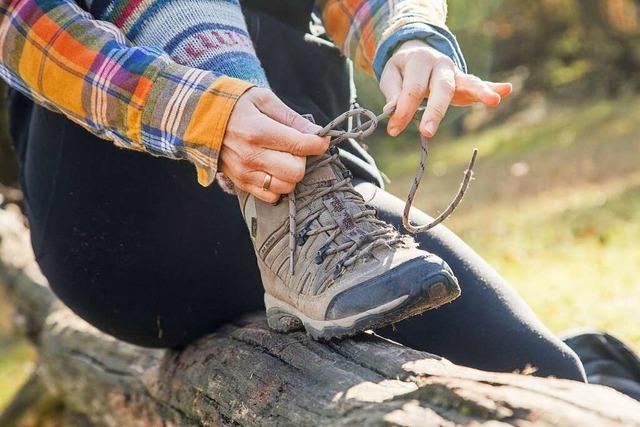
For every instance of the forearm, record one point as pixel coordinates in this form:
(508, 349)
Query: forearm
(368, 31)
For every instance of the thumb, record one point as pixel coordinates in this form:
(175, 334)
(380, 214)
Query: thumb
(269, 104)
(391, 84)
(391, 87)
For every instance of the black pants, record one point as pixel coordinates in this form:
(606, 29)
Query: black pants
(135, 246)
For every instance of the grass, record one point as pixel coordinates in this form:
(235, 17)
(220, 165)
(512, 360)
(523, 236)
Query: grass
(555, 207)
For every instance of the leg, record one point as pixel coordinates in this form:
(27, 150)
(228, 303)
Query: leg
(132, 243)
(489, 326)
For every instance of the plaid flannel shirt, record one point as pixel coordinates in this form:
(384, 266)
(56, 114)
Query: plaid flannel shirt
(136, 96)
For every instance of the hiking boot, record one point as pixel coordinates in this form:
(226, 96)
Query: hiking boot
(342, 270)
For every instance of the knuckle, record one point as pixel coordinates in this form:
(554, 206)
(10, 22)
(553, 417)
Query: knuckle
(446, 85)
(253, 158)
(296, 173)
(244, 176)
(249, 133)
(288, 187)
(474, 78)
(405, 115)
(399, 57)
(445, 61)
(292, 118)
(438, 111)
(296, 147)
(416, 90)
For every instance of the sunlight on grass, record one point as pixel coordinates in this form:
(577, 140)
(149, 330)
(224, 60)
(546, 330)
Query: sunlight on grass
(555, 208)
(15, 366)
(573, 257)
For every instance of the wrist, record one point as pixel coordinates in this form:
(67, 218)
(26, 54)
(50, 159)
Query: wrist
(196, 129)
(418, 33)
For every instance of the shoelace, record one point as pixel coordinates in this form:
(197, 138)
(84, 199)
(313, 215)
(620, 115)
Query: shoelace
(386, 235)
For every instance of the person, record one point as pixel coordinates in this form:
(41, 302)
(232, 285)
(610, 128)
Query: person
(134, 245)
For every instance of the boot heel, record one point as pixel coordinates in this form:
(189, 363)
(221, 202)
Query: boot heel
(278, 319)
(282, 322)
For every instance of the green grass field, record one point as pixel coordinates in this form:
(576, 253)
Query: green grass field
(555, 207)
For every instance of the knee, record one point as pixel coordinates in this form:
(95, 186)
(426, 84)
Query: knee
(561, 362)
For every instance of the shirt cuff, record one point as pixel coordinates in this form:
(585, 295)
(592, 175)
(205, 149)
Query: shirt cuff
(185, 116)
(437, 37)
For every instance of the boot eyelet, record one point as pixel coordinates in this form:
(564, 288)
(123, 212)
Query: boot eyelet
(302, 238)
(339, 269)
(320, 256)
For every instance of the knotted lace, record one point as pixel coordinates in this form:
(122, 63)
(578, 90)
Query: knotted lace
(384, 234)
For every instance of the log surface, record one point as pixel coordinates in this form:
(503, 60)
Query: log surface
(246, 374)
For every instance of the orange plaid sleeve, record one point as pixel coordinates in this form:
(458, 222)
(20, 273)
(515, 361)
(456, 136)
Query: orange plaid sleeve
(137, 97)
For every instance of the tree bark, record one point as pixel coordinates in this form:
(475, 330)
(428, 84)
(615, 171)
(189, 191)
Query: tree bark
(246, 374)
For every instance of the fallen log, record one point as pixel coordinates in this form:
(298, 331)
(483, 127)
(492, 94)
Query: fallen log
(245, 374)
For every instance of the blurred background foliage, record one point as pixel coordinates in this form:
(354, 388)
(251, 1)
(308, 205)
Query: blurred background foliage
(555, 206)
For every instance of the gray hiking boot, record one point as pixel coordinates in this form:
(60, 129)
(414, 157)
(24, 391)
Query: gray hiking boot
(343, 271)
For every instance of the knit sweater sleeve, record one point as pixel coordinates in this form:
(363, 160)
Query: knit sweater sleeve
(368, 31)
(206, 34)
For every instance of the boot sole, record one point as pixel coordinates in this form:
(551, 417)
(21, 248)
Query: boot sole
(436, 291)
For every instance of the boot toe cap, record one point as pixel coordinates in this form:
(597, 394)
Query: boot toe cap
(423, 282)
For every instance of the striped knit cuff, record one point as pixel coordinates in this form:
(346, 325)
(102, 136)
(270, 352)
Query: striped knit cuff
(438, 38)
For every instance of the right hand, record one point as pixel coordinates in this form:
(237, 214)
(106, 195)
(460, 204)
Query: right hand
(264, 136)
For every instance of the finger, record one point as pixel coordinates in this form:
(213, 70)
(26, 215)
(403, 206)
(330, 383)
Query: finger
(471, 89)
(391, 83)
(258, 192)
(441, 89)
(268, 103)
(278, 186)
(414, 89)
(285, 166)
(502, 89)
(271, 134)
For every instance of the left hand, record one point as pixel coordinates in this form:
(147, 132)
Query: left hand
(417, 71)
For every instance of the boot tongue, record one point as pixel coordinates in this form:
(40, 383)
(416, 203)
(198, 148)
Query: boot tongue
(337, 209)
(326, 174)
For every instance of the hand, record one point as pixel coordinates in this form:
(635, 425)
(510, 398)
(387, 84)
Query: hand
(264, 136)
(417, 71)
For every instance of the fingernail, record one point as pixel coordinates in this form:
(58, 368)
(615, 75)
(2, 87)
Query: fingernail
(393, 131)
(430, 128)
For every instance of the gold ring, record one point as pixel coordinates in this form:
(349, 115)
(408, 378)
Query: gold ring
(267, 182)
